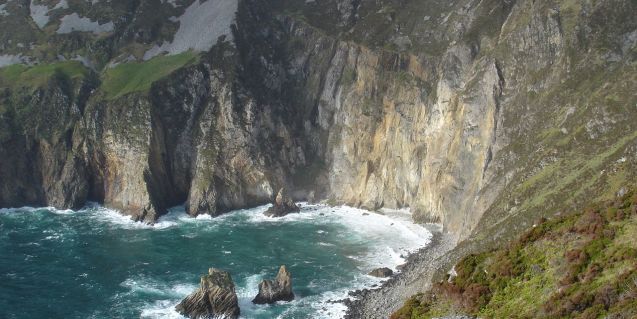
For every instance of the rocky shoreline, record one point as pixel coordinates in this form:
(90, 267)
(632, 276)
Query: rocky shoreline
(415, 276)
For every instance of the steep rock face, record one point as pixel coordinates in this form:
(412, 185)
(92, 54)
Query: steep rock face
(399, 130)
(396, 148)
(119, 135)
(472, 113)
(483, 121)
(180, 142)
(42, 163)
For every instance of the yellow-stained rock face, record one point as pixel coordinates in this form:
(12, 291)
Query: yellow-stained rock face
(471, 113)
(398, 147)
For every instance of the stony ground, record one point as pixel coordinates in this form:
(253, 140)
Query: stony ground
(415, 277)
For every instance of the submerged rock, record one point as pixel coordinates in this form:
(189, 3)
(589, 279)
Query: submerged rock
(215, 298)
(277, 290)
(381, 272)
(283, 205)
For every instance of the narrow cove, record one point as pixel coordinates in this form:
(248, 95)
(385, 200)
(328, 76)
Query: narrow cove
(96, 263)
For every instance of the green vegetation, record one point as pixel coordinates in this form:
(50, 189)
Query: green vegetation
(349, 76)
(19, 75)
(139, 76)
(582, 265)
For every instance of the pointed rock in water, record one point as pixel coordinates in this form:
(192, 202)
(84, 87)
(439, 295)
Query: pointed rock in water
(282, 205)
(215, 298)
(279, 289)
(381, 272)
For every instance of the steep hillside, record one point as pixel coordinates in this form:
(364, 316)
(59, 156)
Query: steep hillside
(583, 265)
(471, 113)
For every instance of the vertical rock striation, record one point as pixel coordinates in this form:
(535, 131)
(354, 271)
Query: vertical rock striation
(471, 113)
(215, 298)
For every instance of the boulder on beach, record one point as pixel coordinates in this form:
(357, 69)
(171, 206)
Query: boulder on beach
(215, 298)
(278, 290)
(283, 205)
(381, 272)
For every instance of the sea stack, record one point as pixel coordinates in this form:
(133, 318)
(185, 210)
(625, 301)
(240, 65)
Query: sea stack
(278, 290)
(283, 205)
(215, 299)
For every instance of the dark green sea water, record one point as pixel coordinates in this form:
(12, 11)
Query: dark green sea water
(94, 263)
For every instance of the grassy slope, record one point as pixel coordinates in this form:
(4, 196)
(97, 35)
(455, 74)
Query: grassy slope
(138, 76)
(19, 75)
(116, 82)
(582, 265)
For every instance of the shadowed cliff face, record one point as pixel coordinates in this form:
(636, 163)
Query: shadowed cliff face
(40, 163)
(471, 113)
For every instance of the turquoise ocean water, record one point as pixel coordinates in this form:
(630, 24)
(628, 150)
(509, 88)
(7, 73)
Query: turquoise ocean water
(95, 263)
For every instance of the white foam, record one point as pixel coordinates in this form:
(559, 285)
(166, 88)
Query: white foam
(28, 209)
(324, 306)
(25, 209)
(161, 309)
(73, 22)
(245, 294)
(392, 233)
(387, 237)
(148, 286)
(172, 295)
(113, 217)
(393, 230)
(169, 295)
(204, 217)
(199, 27)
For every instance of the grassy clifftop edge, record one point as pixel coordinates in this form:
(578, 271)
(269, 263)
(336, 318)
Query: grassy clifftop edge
(580, 265)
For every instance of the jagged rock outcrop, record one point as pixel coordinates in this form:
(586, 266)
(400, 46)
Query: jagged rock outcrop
(381, 272)
(215, 299)
(278, 290)
(282, 205)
